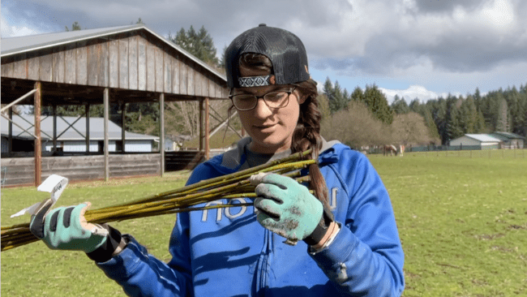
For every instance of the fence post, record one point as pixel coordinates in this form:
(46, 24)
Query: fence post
(38, 140)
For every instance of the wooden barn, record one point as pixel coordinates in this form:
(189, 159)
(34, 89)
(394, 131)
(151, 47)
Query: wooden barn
(101, 66)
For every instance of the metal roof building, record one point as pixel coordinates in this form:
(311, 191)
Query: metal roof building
(77, 132)
(476, 142)
(510, 140)
(98, 66)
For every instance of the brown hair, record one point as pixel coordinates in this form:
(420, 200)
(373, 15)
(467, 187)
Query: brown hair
(307, 132)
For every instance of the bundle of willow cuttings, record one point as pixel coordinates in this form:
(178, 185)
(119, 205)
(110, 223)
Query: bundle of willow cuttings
(231, 186)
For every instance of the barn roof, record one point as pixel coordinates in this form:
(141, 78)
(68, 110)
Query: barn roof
(506, 135)
(17, 45)
(483, 137)
(46, 126)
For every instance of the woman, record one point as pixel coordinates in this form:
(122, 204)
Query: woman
(344, 242)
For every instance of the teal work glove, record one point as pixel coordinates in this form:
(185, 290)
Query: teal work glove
(286, 207)
(65, 228)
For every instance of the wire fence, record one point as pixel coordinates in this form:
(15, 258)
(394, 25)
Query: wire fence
(468, 151)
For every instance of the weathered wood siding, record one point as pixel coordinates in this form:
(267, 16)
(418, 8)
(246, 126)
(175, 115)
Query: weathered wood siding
(129, 165)
(20, 171)
(134, 61)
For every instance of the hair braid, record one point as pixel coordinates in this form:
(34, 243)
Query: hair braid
(307, 136)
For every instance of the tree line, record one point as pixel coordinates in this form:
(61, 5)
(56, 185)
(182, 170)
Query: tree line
(499, 110)
(364, 117)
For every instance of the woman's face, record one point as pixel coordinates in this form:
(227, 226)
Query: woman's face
(271, 130)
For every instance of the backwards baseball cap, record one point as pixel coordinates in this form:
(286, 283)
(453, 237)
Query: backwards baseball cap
(285, 50)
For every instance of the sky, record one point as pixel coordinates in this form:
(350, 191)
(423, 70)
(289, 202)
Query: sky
(411, 48)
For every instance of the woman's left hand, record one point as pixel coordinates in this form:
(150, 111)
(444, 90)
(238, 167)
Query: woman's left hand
(286, 207)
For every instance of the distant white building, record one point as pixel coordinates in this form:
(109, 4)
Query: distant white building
(73, 140)
(510, 140)
(476, 141)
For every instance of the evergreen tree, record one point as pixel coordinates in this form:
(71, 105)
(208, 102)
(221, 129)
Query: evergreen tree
(431, 125)
(377, 103)
(454, 125)
(480, 123)
(345, 98)
(477, 99)
(516, 111)
(74, 27)
(223, 57)
(339, 97)
(329, 91)
(415, 106)
(399, 105)
(357, 95)
(336, 96)
(199, 44)
(502, 123)
(469, 115)
(439, 113)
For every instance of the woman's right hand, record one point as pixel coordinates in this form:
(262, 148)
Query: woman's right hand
(65, 228)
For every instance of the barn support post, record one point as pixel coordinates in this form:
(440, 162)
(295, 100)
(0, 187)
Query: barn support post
(201, 126)
(106, 100)
(123, 136)
(162, 132)
(38, 143)
(207, 148)
(10, 136)
(54, 128)
(87, 109)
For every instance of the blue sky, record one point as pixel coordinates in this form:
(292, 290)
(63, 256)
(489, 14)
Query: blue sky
(413, 48)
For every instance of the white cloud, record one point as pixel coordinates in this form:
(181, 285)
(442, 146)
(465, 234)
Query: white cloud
(10, 30)
(413, 92)
(440, 45)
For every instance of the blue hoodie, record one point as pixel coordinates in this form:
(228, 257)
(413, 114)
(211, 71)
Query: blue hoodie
(226, 252)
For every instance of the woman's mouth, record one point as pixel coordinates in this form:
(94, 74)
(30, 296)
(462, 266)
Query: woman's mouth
(265, 128)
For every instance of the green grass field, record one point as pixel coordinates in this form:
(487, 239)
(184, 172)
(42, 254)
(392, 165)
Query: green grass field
(462, 219)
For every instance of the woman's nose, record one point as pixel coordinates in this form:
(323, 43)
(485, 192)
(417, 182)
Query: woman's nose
(262, 110)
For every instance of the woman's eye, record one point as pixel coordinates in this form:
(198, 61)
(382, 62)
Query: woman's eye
(244, 97)
(275, 96)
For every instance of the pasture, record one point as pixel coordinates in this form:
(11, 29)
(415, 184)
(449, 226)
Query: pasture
(462, 219)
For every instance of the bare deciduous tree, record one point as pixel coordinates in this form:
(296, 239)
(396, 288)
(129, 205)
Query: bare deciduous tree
(409, 128)
(355, 127)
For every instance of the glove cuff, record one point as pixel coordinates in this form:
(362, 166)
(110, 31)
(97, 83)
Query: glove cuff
(104, 252)
(322, 227)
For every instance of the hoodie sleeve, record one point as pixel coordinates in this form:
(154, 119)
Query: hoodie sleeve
(141, 274)
(366, 257)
